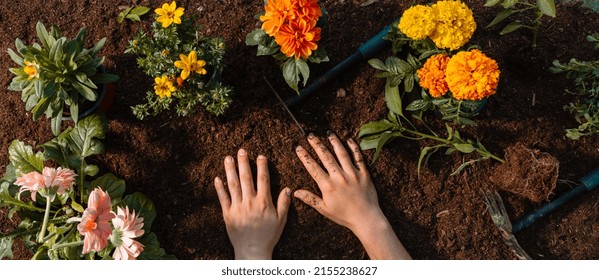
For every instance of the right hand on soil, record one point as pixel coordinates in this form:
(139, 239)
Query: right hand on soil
(349, 197)
(253, 223)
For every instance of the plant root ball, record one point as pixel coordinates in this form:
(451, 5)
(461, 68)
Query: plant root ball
(527, 172)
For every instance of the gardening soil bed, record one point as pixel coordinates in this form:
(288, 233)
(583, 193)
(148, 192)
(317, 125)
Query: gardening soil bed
(173, 160)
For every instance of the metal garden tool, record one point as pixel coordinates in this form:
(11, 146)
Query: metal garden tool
(502, 222)
(285, 107)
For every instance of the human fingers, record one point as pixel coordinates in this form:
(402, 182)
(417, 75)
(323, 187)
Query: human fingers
(223, 196)
(357, 154)
(245, 174)
(283, 203)
(232, 179)
(341, 153)
(325, 156)
(263, 180)
(310, 164)
(311, 199)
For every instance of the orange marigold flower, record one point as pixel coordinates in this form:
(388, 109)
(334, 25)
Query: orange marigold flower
(308, 9)
(298, 38)
(276, 13)
(432, 75)
(472, 75)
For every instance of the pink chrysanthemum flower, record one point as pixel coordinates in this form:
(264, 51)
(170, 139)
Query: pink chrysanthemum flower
(127, 226)
(95, 226)
(61, 178)
(51, 182)
(31, 182)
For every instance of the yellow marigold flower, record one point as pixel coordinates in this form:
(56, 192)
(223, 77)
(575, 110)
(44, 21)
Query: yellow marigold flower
(190, 64)
(472, 75)
(31, 69)
(276, 13)
(454, 24)
(169, 14)
(164, 87)
(432, 75)
(298, 38)
(417, 22)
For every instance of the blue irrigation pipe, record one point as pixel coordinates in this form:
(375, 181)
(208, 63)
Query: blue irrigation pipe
(365, 51)
(587, 183)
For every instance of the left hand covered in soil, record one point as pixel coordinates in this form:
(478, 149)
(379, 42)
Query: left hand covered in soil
(253, 223)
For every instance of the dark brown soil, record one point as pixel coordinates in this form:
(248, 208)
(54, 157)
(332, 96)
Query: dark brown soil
(173, 160)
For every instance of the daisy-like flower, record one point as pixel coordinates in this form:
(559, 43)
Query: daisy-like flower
(190, 63)
(51, 182)
(276, 13)
(417, 22)
(454, 24)
(472, 75)
(94, 225)
(32, 182)
(32, 69)
(169, 14)
(432, 75)
(298, 39)
(164, 87)
(127, 226)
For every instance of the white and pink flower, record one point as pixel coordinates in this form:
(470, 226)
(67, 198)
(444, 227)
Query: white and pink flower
(127, 226)
(51, 182)
(94, 225)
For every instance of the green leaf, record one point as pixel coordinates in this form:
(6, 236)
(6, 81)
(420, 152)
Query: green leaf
(133, 17)
(23, 159)
(370, 142)
(6, 247)
(464, 148)
(15, 57)
(143, 206)
(111, 184)
(85, 91)
(491, 3)
(77, 207)
(41, 107)
(511, 27)
(266, 50)
(319, 55)
(122, 14)
(418, 105)
(508, 3)
(152, 250)
(375, 127)
(425, 154)
(501, 16)
(393, 99)
(140, 10)
(104, 78)
(292, 69)
(82, 140)
(43, 35)
(384, 139)
(253, 38)
(547, 7)
(377, 64)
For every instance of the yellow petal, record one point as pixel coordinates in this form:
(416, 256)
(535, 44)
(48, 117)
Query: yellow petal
(201, 63)
(160, 11)
(185, 74)
(183, 58)
(173, 6)
(179, 64)
(179, 12)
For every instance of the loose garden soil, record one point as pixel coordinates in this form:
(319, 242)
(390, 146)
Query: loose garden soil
(174, 160)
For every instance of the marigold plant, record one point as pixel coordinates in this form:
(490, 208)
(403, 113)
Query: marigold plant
(184, 64)
(417, 22)
(471, 75)
(432, 75)
(290, 32)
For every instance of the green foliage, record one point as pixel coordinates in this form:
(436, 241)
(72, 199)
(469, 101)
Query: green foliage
(513, 7)
(132, 13)
(57, 74)
(71, 149)
(375, 135)
(585, 107)
(158, 52)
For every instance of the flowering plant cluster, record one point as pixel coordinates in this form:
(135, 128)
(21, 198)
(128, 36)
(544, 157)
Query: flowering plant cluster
(184, 64)
(290, 32)
(69, 216)
(436, 75)
(57, 73)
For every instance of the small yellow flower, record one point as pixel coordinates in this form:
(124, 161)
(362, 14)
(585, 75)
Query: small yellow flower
(432, 75)
(472, 75)
(190, 64)
(169, 14)
(454, 24)
(417, 22)
(31, 69)
(135, 43)
(164, 52)
(164, 87)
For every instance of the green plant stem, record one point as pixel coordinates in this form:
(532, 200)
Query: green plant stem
(70, 244)
(40, 238)
(449, 143)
